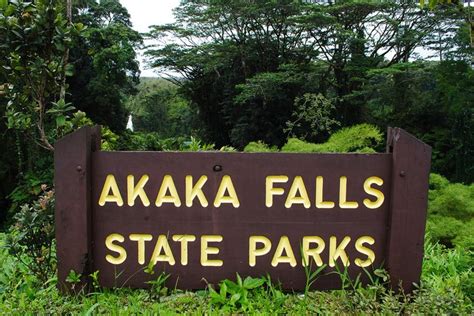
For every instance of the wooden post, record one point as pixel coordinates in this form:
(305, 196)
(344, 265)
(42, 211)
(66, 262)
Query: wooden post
(407, 218)
(72, 167)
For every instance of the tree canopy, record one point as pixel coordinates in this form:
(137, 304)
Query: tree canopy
(104, 58)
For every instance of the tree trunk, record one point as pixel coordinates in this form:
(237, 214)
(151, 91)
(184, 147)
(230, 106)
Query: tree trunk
(62, 93)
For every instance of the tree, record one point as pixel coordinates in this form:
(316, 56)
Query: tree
(221, 45)
(245, 62)
(464, 7)
(105, 66)
(34, 39)
(158, 107)
(434, 102)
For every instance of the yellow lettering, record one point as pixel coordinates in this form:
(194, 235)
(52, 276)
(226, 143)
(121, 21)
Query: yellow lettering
(162, 245)
(140, 239)
(315, 253)
(336, 251)
(359, 245)
(374, 192)
(226, 185)
(343, 203)
(195, 191)
(254, 252)
(270, 191)
(122, 253)
(135, 191)
(184, 240)
(206, 250)
(284, 245)
(320, 203)
(110, 184)
(168, 185)
(298, 187)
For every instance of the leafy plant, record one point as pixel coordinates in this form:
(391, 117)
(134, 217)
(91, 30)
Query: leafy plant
(363, 138)
(28, 189)
(73, 278)
(259, 147)
(197, 145)
(235, 294)
(451, 212)
(312, 116)
(95, 279)
(31, 238)
(157, 286)
(35, 37)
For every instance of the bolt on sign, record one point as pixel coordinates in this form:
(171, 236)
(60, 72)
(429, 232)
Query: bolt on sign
(202, 217)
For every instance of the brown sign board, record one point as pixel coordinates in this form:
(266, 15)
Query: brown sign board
(202, 217)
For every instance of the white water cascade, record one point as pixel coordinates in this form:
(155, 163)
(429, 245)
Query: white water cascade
(130, 123)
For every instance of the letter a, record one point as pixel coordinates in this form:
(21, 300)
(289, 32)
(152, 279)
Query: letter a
(110, 184)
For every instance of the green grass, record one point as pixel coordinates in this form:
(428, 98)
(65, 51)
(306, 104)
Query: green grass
(447, 288)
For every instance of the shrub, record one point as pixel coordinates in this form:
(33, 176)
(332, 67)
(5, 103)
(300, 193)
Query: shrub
(299, 146)
(444, 229)
(139, 141)
(363, 138)
(455, 200)
(259, 147)
(465, 237)
(31, 238)
(313, 115)
(438, 182)
(447, 278)
(451, 213)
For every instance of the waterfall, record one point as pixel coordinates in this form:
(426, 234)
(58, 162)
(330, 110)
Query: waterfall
(130, 123)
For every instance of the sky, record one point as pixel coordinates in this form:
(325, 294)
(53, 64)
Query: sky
(149, 12)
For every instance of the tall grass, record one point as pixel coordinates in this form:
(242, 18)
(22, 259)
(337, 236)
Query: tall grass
(447, 287)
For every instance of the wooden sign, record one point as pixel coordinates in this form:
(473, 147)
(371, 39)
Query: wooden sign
(202, 217)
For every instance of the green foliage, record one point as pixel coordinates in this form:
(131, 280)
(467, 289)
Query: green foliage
(299, 146)
(197, 145)
(140, 141)
(259, 147)
(451, 212)
(266, 102)
(447, 274)
(456, 200)
(157, 286)
(245, 83)
(158, 107)
(444, 229)
(28, 189)
(105, 66)
(245, 72)
(465, 237)
(311, 117)
(363, 138)
(311, 275)
(30, 239)
(227, 149)
(235, 295)
(446, 289)
(437, 182)
(73, 278)
(35, 37)
(433, 101)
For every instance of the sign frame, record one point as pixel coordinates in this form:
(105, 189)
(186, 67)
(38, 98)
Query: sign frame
(409, 163)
